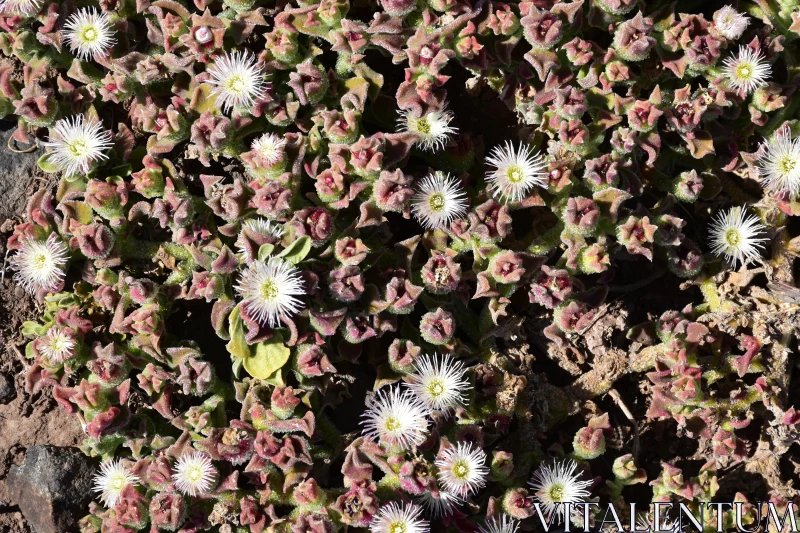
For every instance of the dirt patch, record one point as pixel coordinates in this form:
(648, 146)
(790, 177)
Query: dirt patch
(26, 419)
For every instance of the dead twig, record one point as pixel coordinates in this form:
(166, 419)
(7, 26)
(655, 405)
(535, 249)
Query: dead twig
(624, 408)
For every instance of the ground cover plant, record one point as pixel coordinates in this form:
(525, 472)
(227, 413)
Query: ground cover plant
(408, 266)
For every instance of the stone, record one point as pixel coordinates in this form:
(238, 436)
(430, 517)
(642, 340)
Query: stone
(52, 488)
(6, 389)
(18, 170)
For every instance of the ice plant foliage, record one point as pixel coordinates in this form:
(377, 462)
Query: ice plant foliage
(112, 478)
(271, 290)
(77, 144)
(336, 192)
(89, 32)
(747, 70)
(238, 80)
(194, 473)
(462, 469)
(738, 237)
(439, 382)
(779, 163)
(396, 418)
(433, 128)
(516, 171)
(439, 200)
(559, 483)
(40, 264)
(397, 518)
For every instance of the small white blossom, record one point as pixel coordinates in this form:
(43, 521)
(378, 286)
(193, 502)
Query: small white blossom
(112, 478)
(504, 524)
(442, 505)
(270, 148)
(57, 346)
(439, 382)
(78, 143)
(89, 32)
(462, 468)
(271, 289)
(439, 200)
(746, 71)
(559, 484)
(517, 171)
(238, 80)
(433, 129)
(40, 265)
(396, 518)
(20, 7)
(194, 473)
(260, 226)
(737, 237)
(730, 23)
(779, 163)
(396, 419)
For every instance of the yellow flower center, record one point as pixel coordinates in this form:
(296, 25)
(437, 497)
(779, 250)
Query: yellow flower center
(194, 474)
(732, 237)
(393, 424)
(556, 492)
(89, 34)
(436, 388)
(236, 84)
(744, 71)
(514, 174)
(787, 165)
(437, 202)
(118, 482)
(78, 148)
(421, 126)
(398, 527)
(269, 290)
(461, 469)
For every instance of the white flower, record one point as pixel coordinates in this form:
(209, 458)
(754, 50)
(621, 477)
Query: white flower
(462, 468)
(194, 473)
(516, 172)
(89, 32)
(77, 143)
(737, 236)
(504, 524)
(439, 200)
(270, 290)
(270, 148)
(439, 382)
(779, 163)
(396, 419)
(260, 226)
(730, 23)
(57, 346)
(238, 81)
(396, 518)
(112, 478)
(442, 505)
(40, 265)
(746, 71)
(559, 484)
(21, 7)
(433, 129)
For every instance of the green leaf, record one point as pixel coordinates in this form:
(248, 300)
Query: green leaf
(237, 346)
(269, 358)
(45, 164)
(33, 329)
(265, 251)
(297, 251)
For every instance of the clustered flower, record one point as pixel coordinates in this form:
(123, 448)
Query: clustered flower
(272, 221)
